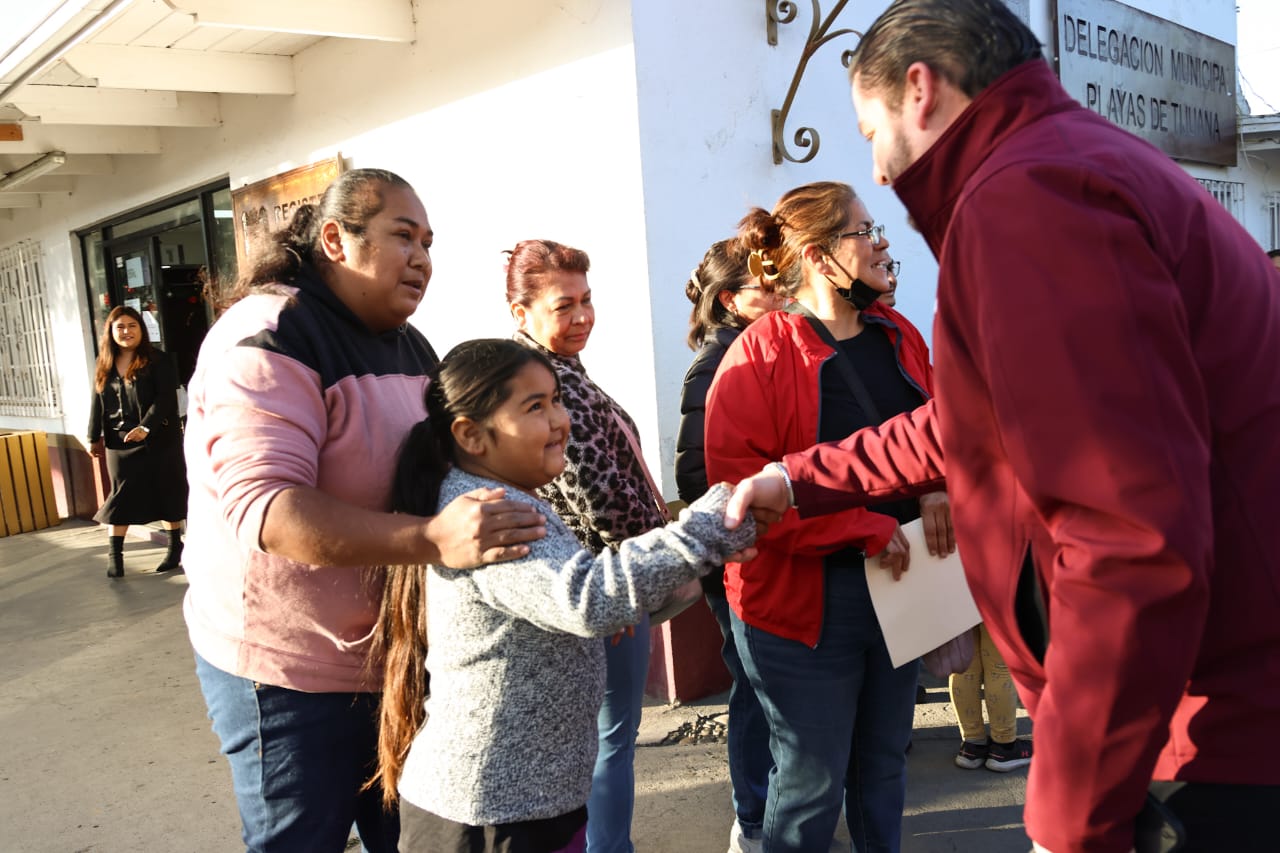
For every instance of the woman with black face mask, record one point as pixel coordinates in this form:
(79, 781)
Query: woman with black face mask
(832, 362)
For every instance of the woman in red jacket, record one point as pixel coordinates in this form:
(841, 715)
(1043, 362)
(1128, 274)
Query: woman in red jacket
(802, 618)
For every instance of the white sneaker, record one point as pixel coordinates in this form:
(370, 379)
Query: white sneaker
(739, 843)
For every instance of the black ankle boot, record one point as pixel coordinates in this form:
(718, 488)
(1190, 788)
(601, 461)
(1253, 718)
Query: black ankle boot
(115, 568)
(173, 559)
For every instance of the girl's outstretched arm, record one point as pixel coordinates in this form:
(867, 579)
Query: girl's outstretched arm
(562, 587)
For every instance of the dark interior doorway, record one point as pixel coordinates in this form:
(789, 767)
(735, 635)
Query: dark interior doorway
(157, 261)
(159, 277)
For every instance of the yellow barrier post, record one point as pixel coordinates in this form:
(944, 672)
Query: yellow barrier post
(27, 501)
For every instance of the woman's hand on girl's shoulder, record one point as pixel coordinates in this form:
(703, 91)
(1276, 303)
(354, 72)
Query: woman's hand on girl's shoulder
(482, 526)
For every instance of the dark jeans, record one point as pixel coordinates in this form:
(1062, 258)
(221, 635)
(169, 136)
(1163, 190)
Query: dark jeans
(1239, 818)
(297, 763)
(839, 720)
(749, 759)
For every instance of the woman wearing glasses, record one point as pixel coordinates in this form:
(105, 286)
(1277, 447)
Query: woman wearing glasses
(891, 267)
(834, 361)
(726, 299)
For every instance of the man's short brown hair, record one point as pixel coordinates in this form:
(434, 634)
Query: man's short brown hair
(969, 43)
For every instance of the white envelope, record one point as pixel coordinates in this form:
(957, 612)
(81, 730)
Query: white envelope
(928, 606)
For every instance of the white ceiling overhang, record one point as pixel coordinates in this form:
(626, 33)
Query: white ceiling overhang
(1260, 133)
(93, 80)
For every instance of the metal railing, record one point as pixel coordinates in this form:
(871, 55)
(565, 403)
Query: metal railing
(1230, 194)
(1273, 217)
(28, 380)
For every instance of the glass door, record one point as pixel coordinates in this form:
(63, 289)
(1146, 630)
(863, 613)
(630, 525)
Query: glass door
(158, 261)
(132, 267)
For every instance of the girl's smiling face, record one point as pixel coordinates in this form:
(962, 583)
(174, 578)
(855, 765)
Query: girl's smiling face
(522, 442)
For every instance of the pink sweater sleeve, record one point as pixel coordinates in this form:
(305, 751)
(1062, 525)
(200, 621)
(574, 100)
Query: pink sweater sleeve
(264, 425)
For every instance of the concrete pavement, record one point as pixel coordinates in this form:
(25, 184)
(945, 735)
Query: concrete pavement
(104, 743)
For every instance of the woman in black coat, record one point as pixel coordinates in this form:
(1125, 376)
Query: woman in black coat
(134, 419)
(726, 299)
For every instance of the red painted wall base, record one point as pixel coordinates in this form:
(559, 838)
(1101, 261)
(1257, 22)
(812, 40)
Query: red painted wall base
(685, 662)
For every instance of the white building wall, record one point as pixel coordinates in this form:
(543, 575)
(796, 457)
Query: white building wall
(640, 135)
(512, 119)
(707, 81)
(1217, 19)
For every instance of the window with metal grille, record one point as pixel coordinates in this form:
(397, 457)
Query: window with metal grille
(1273, 217)
(28, 386)
(1229, 194)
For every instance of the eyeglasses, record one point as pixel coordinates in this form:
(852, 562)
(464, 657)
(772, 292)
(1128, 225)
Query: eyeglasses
(748, 287)
(875, 232)
(893, 267)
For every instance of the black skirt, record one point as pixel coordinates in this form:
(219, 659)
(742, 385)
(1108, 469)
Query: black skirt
(148, 483)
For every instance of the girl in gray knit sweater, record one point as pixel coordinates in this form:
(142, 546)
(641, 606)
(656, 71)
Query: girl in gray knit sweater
(499, 755)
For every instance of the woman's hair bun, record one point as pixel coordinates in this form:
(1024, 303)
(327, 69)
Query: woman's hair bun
(760, 229)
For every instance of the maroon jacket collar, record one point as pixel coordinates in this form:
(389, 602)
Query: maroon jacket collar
(930, 186)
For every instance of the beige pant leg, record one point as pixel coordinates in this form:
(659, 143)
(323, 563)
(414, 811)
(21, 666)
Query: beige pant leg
(966, 697)
(1002, 699)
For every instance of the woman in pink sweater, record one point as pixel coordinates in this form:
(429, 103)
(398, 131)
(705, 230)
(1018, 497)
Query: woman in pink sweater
(303, 393)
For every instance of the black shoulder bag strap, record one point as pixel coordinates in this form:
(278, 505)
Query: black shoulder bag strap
(842, 363)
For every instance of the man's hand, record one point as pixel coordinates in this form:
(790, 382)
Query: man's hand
(935, 512)
(481, 527)
(764, 494)
(896, 556)
(95, 448)
(134, 435)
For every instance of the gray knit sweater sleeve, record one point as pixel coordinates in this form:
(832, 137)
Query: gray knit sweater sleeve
(510, 732)
(561, 587)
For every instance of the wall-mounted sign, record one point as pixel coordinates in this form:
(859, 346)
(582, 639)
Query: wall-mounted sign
(267, 205)
(1174, 87)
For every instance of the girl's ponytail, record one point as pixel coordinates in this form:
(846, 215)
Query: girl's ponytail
(400, 644)
(400, 639)
(422, 465)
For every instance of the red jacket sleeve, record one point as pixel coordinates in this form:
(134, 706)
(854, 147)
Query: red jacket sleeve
(900, 458)
(749, 417)
(1097, 399)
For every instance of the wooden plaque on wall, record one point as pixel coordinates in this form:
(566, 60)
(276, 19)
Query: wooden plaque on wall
(266, 206)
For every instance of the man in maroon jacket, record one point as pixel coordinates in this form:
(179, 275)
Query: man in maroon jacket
(1107, 418)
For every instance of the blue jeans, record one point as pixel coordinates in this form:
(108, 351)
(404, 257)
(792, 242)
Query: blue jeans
(839, 720)
(613, 782)
(297, 763)
(749, 759)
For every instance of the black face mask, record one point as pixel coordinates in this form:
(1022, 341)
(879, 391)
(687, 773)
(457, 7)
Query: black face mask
(859, 294)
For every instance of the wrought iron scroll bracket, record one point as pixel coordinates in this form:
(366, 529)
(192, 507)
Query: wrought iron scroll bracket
(820, 32)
